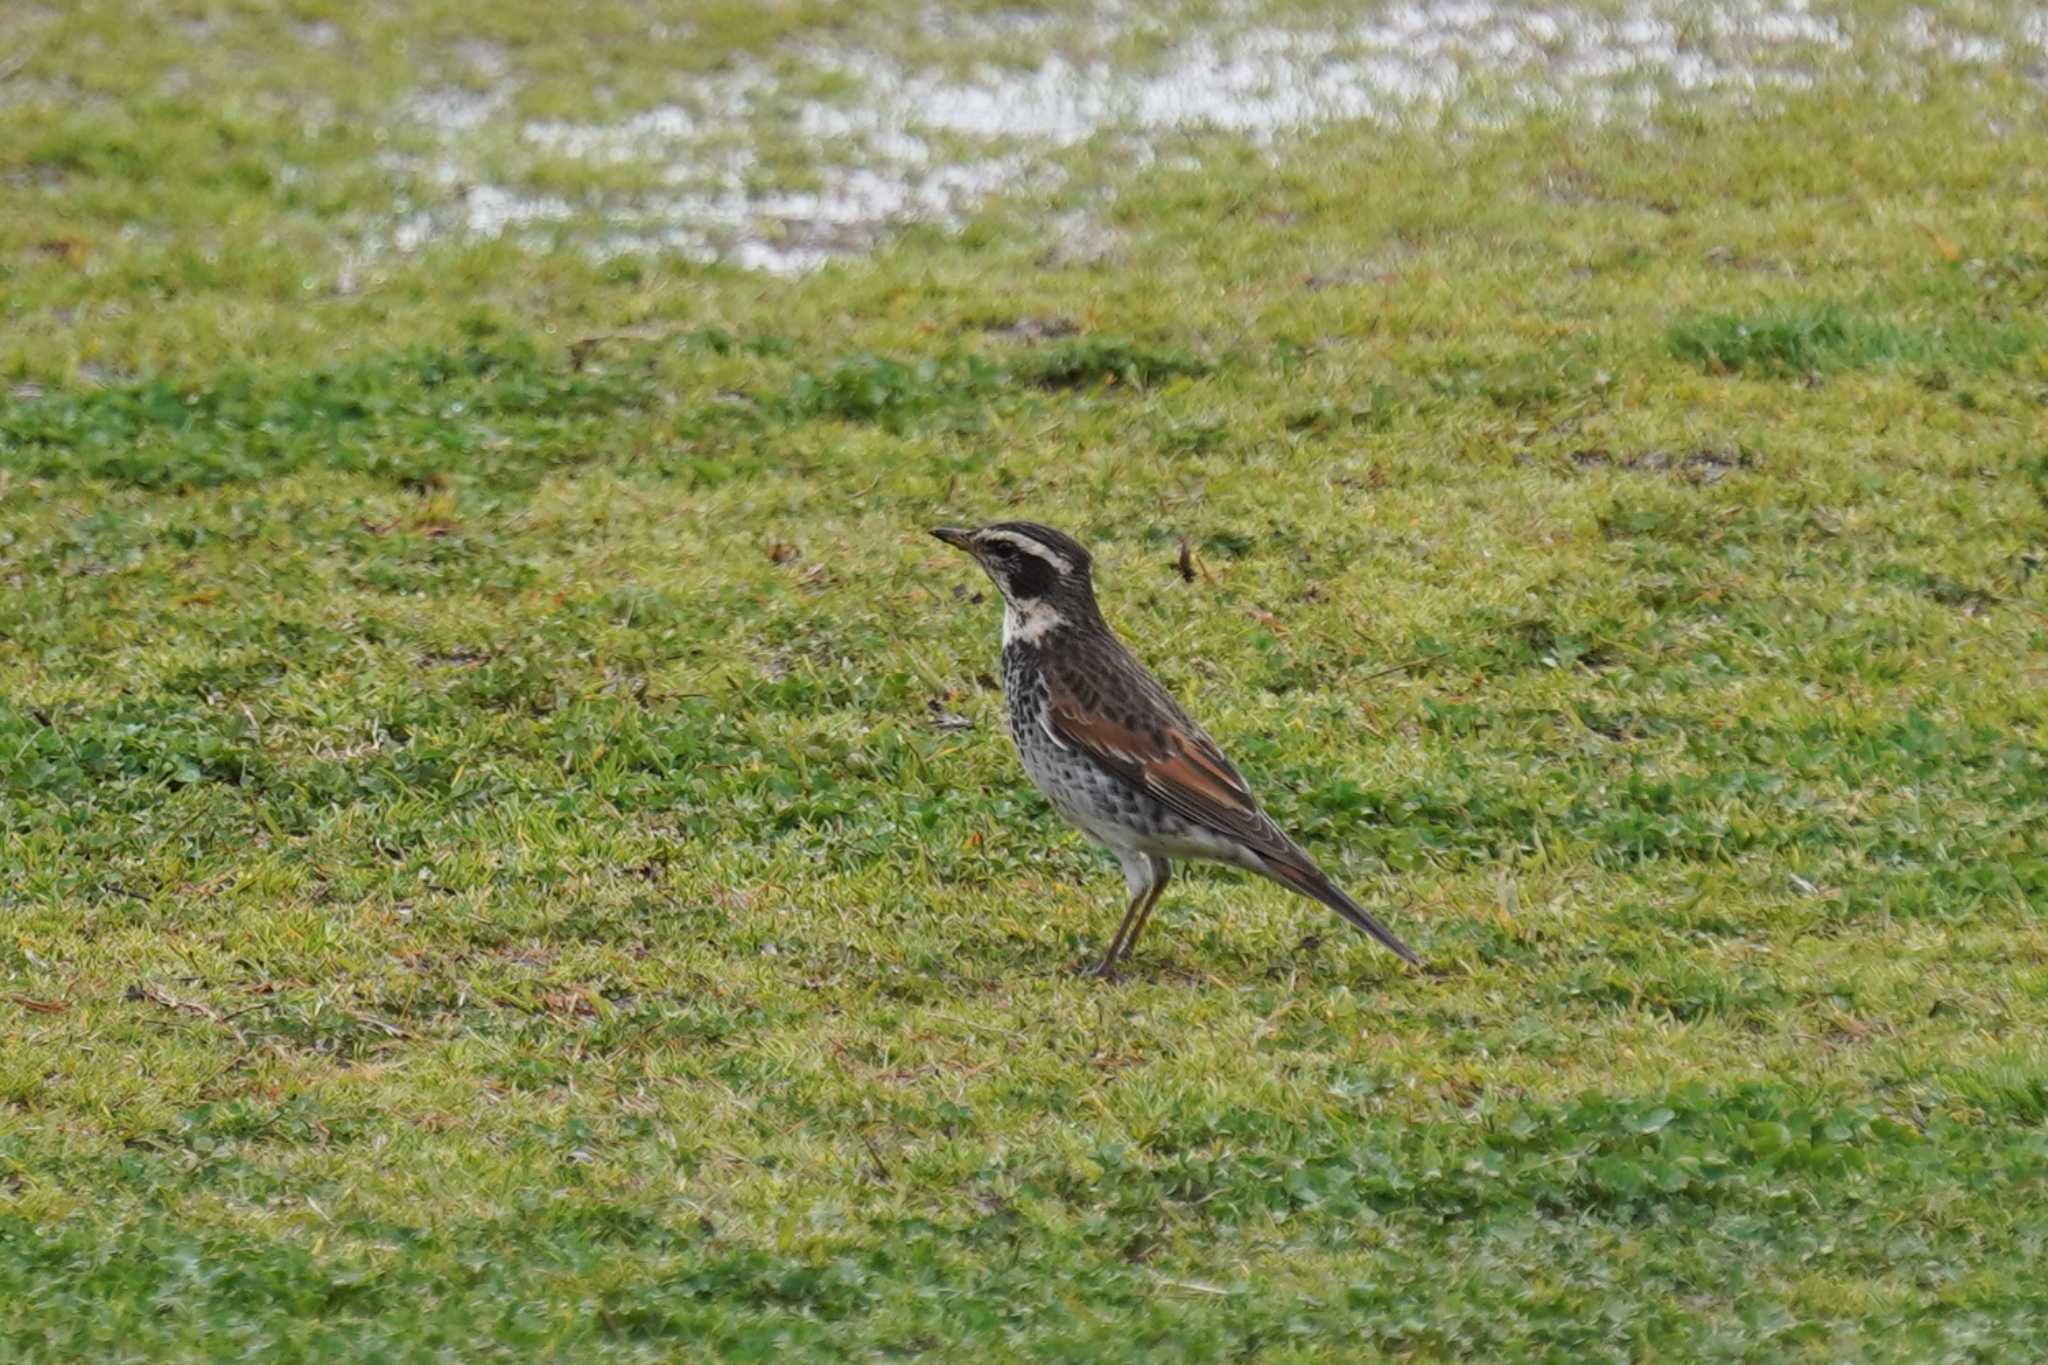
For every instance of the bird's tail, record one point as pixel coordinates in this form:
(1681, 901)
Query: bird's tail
(1309, 880)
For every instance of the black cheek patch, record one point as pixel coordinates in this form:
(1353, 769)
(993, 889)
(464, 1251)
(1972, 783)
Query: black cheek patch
(1030, 576)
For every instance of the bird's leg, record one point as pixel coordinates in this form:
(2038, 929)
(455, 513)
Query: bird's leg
(1144, 898)
(1107, 967)
(1162, 871)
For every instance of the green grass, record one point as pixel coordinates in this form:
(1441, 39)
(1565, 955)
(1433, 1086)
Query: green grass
(1806, 343)
(482, 879)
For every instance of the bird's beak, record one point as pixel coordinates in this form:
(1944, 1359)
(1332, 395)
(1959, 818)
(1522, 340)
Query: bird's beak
(955, 537)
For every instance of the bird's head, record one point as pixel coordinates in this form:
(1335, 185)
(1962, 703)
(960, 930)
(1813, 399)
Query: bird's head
(1042, 574)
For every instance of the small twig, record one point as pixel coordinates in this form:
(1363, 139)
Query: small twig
(1397, 668)
(389, 1030)
(875, 1154)
(157, 995)
(979, 1028)
(1193, 1286)
(234, 1063)
(178, 829)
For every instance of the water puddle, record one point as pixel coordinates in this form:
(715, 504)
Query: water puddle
(905, 143)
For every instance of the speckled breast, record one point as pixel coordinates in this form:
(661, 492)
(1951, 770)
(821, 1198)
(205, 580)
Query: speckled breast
(1081, 791)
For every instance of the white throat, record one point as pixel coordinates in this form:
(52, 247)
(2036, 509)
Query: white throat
(1026, 623)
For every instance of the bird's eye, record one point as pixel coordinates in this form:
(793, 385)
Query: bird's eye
(1002, 550)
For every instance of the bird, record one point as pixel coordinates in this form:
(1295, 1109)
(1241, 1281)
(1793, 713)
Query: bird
(1112, 750)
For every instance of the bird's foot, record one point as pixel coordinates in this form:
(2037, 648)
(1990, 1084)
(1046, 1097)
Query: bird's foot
(1102, 970)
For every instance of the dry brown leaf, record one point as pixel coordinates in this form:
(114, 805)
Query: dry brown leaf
(571, 1002)
(1943, 247)
(1268, 620)
(70, 250)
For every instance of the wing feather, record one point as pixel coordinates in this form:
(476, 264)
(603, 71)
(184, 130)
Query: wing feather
(1175, 763)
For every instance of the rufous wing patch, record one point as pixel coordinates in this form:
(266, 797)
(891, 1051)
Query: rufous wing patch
(1116, 744)
(1181, 769)
(1193, 767)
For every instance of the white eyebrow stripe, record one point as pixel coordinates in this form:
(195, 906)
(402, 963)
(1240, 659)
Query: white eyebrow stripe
(1030, 546)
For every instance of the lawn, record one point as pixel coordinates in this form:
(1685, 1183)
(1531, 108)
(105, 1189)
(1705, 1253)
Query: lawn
(507, 843)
